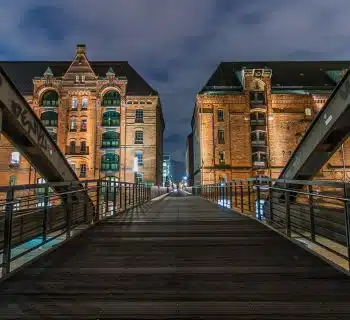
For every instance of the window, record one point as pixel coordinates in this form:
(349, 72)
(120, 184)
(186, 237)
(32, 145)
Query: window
(258, 137)
(308, 112)
(77, 79)
(138, 177)
(49, 118)
(82, 78)
(221, 137)
(139, 156)
(83, 170)
(73, 124)
(83, 146)
(257, 97)
(259, 159)
(13, 180)
(49, 99)
(111, 119)
(257, 118)
(110, 139)
(15, 158)
(73, 166)
(84, 104)
(222, 157)
(139, 115)
(111, 99)
(110, 162)
(220, 115)
(83, 125)
(138, 137)
(72, 146)
(74, 103)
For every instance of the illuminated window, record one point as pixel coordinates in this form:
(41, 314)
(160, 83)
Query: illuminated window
(74, 103)
(139, 156)
(84, 103)
(308, 112)
(76, 78)
(15, 157)
(73, 124)
(138, 177)
(222, 157)
(82, 78)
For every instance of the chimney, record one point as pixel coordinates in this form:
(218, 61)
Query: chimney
(81, 48)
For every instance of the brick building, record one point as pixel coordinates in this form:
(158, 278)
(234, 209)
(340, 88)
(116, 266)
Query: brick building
(250, 116)
(189, 159)
(104, 116)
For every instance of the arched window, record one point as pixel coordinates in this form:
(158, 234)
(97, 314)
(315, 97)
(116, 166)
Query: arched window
(83, 146)
(111, 119)
(110, 162)
(84, 103)
(73, 124)
(110, 139)
(72, 146)
(111, 99)
(74, 103)
(49, 118)
(49, 99)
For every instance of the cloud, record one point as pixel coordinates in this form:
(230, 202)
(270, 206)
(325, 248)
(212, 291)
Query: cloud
(176, 45)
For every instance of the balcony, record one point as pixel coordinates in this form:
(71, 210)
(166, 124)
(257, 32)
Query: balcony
(259, 164)
(110, 144)
(112, 167)
(258, 142)
(70, 150)
(110, 123)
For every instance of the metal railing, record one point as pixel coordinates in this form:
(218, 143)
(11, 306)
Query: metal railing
(34, 215)
(317, 211)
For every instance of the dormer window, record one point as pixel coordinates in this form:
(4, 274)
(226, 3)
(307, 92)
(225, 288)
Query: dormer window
(76, 79)
(82, 78)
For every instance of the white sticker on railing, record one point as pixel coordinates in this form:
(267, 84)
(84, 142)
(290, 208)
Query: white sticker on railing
(328, 120)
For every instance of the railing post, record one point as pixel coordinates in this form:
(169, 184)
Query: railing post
(69, 211)
(249, 202)
(287, 202)
(46, 194)
(270, 201)
(230, 193)
(347, 221)
(311, 211)
(241, 187)
(125, 195)
(106, 197)
(114, 197)
(133, 196)
(6, 256)
(120, 197)
(86, 201)
(236, 194)
(98, 186)
(259, 201)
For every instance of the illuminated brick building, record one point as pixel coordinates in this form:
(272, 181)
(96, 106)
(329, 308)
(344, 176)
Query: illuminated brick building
(250, 116)
(105, 118)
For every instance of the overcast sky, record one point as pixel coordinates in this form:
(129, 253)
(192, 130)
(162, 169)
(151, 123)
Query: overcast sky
(176, 45)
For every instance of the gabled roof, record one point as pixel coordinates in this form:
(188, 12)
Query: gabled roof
(285, 74)
(22, 74)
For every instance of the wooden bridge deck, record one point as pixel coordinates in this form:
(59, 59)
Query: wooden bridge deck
(179, 258)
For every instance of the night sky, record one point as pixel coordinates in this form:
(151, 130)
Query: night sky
(176, 45)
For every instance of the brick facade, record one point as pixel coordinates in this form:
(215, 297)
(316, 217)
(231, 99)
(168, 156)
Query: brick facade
(258, 139)
(82, 96)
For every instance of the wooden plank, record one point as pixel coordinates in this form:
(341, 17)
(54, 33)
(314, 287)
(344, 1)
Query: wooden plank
(181, 258)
